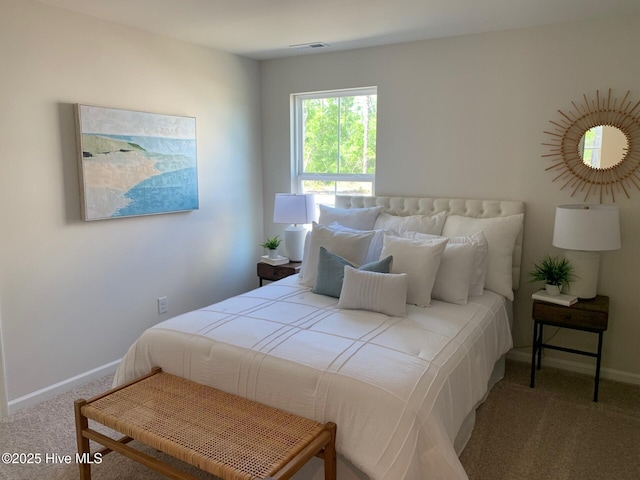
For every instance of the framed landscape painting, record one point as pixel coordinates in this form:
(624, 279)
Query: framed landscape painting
(135, 163)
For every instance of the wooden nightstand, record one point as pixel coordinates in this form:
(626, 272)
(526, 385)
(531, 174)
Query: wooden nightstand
(585, 315)
(277, 272)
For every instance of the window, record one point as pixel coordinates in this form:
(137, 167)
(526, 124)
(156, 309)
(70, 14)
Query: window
(334, 143)
(592, 146)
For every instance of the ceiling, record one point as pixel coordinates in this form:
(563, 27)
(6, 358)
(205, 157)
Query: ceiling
(263, 29)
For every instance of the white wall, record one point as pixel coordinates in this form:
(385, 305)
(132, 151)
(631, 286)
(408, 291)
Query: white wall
(76, 294)
(464, 117)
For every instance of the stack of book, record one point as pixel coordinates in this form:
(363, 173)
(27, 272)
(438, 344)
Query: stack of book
(274, 261)
(561, 299)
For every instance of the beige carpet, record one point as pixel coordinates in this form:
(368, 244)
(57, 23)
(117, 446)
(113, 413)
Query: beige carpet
(553, 432)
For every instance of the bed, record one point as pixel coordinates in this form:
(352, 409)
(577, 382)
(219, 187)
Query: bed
(401, 381)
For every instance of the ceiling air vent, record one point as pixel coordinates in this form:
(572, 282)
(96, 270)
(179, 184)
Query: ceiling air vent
(304, 46)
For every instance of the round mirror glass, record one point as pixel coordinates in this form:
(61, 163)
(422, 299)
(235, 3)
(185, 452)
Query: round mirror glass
(603, 146)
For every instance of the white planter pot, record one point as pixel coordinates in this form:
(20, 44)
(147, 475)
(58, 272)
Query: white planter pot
(553, 289)
(273, 254)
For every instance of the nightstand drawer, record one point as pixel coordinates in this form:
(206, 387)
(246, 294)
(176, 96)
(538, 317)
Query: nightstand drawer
(277, 272)
(576, 316)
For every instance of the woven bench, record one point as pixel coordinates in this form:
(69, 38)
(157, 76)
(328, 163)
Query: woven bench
(223, 434)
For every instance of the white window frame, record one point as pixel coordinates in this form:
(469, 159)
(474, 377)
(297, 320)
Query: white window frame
(297, 175)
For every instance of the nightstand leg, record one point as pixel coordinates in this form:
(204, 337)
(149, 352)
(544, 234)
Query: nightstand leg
(598, 359)
(540, 346)
(533, 354)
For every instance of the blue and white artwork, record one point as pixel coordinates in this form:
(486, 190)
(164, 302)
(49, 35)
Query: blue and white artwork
(135, 163)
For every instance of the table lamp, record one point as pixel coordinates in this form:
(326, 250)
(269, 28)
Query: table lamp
(296, 210)
(583, 231)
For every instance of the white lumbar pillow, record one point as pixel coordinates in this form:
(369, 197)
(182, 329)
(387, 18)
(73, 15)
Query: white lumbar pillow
(378, 292)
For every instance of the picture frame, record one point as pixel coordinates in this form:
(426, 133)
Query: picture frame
(134, 163)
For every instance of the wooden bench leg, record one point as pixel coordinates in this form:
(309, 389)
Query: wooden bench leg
(330, 468)
(84, 450)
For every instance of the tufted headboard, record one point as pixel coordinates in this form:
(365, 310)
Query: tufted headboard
(454, 206)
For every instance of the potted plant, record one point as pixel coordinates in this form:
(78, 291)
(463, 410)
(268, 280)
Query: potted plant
(554, 271)
(272, 245)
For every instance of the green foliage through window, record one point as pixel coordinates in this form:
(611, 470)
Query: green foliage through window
(335, 144)
(340, 134)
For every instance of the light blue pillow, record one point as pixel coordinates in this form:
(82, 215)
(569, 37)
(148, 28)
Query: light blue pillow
(331, 271)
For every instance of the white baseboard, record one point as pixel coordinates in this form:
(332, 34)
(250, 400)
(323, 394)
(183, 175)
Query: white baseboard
(60, 387)
(608, 373)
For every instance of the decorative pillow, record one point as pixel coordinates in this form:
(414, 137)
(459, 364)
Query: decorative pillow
(455, 271)
(454, 275)
(501, 234)
(480, 258)
(375, 247)
(349, 245)
(331, 272)
(416, 223)
(358, 218)
(378, 292)
(420, 260)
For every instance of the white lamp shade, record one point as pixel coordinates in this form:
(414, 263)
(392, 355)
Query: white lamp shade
(292, 208)
(590, 228)
(583, 231)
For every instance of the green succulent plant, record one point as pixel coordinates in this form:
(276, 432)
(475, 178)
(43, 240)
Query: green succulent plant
(271, 243)
(553, 270)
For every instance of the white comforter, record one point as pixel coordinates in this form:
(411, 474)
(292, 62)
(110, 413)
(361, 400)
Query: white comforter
(398, 388)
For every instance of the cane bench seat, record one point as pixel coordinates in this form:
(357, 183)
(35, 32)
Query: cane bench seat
(226, 435)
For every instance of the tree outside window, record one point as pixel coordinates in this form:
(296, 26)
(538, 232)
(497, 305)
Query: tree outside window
(334, 143)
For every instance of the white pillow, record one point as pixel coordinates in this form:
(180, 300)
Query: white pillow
(455, 271)
(420, 260)
(480, 257)
(480, 260)
(305, 252)
(416, 223)
(358, 218)
(501, 234)
(350, 246)
(378, 292)
(375, 247)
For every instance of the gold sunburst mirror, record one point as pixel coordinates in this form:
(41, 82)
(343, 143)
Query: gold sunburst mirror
(595, 147)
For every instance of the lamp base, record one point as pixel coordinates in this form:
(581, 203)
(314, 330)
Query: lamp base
(585, 269)
(294, 236)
